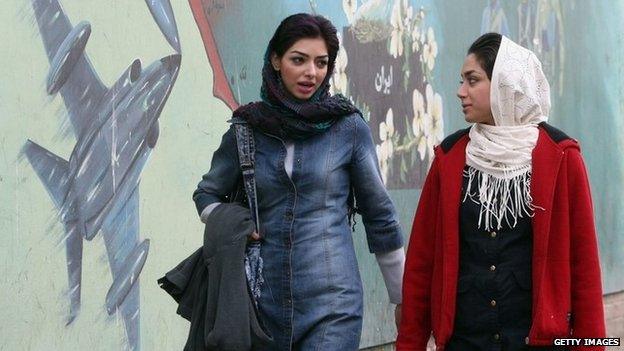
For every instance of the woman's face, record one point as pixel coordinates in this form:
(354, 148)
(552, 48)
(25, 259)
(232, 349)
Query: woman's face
(474, 92)
(303, 67)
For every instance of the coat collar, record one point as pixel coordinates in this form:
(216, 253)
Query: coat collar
(546, 160)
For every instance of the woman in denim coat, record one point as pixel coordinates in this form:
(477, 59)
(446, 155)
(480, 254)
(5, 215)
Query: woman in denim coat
(313, 151)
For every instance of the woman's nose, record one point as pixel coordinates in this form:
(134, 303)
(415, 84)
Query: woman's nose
(461, 91)
(310, 70)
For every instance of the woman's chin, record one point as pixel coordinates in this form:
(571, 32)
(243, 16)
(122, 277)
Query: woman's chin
(303, 97)
(299, 95)
(477, 119)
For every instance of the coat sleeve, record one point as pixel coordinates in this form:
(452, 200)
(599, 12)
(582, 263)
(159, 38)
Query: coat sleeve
(219, 182)
(379, 216)
(415, 328)
(587, 306)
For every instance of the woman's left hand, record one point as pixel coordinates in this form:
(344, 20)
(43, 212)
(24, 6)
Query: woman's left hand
(254, 236)
(397, 316)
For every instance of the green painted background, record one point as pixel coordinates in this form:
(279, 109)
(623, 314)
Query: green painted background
(32, 262)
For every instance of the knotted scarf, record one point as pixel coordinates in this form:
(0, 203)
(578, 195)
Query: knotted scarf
(282, 115)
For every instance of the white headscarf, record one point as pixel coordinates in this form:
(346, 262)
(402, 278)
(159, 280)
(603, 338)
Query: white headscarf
(499, 156)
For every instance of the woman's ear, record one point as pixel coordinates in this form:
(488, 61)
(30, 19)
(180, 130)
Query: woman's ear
(275, 61)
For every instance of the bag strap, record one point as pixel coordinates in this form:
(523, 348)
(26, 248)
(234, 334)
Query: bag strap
(246, 158)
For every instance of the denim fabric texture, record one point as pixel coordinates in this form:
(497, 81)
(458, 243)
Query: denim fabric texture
(312, 294)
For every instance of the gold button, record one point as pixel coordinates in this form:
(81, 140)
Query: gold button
(493, 234)
(496, 336)
(493, 303)
(492, 268)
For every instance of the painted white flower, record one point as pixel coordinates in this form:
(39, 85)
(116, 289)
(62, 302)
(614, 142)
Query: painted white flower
(385, 150)
(384, 169)
(433, 122)
(437, 118)
(422, 147)
(396, 37)
(386, 129)
(430, 49)
(409, 15)
(424, 143)
(339, 81)
(429, 94)
(421, 14)
(418, 106)
(349, 7)
(415, 38)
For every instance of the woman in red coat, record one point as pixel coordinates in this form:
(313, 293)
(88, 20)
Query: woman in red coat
(503, 252)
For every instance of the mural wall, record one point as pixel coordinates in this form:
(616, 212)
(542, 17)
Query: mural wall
(97, 189)
(87, 152)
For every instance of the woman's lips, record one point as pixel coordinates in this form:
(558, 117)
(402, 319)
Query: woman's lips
(305, 88)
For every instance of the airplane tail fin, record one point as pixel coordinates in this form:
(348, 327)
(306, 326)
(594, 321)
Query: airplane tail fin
(51, 169)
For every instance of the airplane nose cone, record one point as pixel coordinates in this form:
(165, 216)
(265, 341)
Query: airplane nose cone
(172, 62)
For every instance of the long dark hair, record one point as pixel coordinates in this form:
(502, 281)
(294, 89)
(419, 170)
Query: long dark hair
(303, 25)
(485, 48)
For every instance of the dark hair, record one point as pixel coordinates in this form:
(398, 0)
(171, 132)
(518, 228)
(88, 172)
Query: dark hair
(303, 25)
(485, 48)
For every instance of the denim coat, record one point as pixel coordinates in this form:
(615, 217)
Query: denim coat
(312, 294)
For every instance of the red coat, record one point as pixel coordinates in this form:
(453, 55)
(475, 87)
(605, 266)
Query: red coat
(567, 292)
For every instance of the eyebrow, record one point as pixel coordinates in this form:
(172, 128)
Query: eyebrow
(468, 73)
(306, 55)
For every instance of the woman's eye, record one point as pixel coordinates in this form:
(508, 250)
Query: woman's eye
(297, 60)
(321, 64)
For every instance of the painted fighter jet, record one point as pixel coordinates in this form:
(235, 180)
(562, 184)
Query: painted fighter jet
(115, 127)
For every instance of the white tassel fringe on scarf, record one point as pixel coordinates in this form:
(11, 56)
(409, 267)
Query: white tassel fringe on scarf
(499, 156)
(500, 199)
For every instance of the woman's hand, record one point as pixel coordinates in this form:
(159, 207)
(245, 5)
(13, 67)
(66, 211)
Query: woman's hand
(397, 316)
(254, 236)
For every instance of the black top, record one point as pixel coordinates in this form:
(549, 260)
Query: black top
(494, 288)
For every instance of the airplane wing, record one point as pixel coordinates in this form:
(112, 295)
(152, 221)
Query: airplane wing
(126, 256)
(83, 88)
(53, 172)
